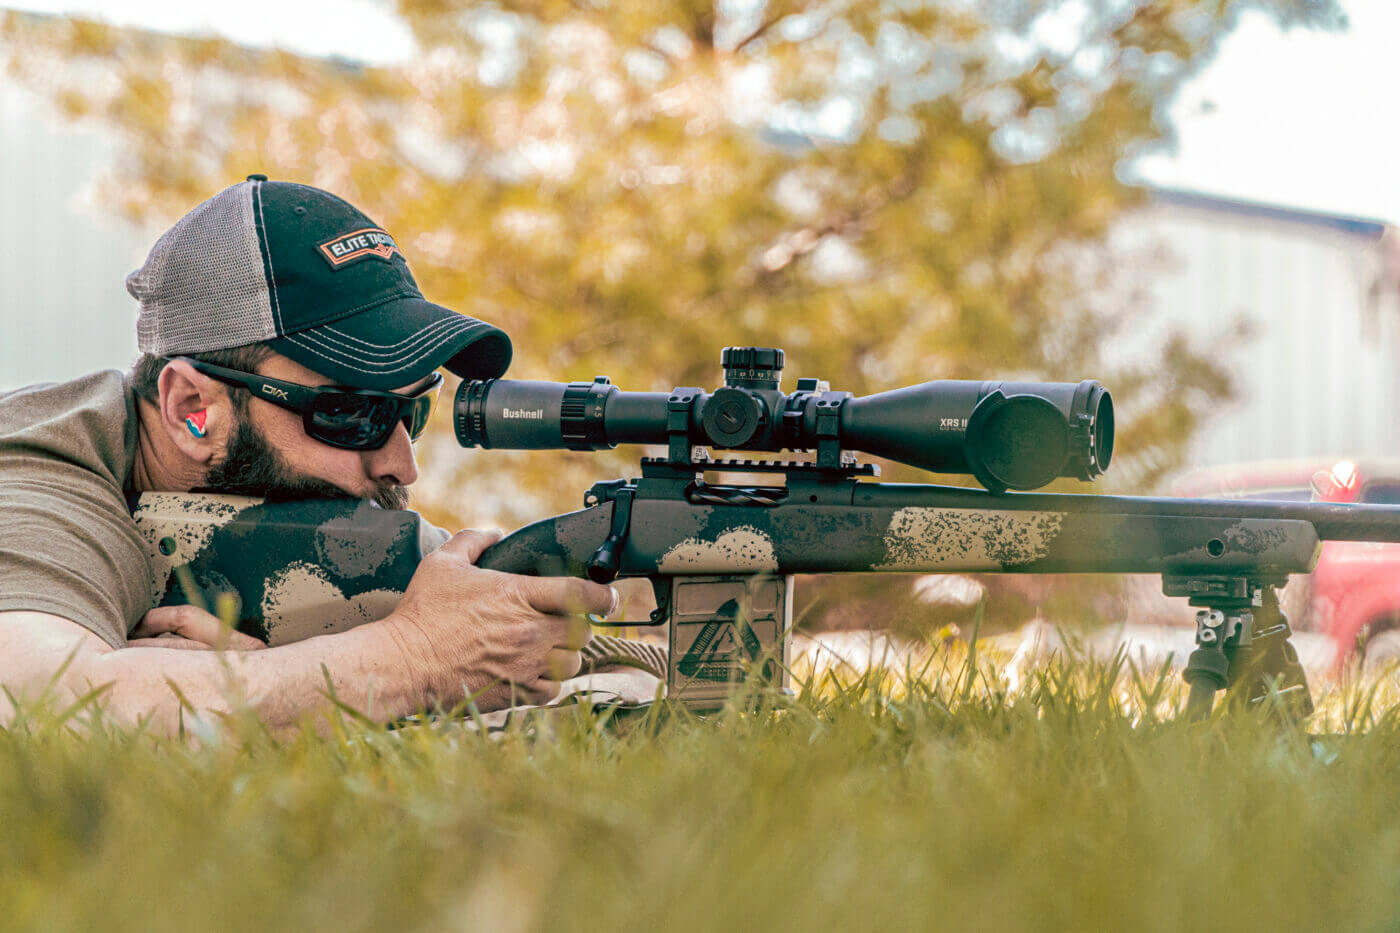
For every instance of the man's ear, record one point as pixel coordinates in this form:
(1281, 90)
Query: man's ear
(195, 411)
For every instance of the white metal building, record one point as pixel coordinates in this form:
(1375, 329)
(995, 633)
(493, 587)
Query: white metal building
(64, 309)
(1319, 372)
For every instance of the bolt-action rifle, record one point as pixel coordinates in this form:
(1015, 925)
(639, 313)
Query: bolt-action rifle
(721, 555)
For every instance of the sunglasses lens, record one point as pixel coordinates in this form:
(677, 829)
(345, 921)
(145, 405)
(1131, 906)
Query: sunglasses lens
(364, 421)
(352, 421)
(417, 419)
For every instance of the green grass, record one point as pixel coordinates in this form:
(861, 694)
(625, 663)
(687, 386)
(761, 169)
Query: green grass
(933, 802)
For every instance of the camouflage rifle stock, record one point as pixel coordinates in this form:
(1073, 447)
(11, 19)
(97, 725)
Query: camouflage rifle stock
(721, 558)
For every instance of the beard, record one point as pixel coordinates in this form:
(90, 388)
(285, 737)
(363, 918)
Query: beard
(253, 467)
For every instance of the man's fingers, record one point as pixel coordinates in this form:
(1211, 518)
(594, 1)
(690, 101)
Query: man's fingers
(194, 624)
(469, 543)
(561, 664)
(168, 641)
(557, 631)
(576, 633)
(570, 595)
(186, 621)
(543, 691)
(239, 641)
(538, 693)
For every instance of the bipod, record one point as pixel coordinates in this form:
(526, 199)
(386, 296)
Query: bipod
(1242, 645)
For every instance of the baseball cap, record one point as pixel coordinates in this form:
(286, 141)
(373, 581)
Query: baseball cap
(312, 276)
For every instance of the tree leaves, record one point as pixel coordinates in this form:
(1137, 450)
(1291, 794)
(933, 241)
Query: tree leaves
(893, 192)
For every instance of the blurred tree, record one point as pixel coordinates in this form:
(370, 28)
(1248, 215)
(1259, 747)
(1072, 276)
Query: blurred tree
(892, 191)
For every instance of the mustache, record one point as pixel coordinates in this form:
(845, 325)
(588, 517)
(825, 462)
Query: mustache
(391, 497)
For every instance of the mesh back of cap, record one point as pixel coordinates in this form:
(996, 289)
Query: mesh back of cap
(202, 287)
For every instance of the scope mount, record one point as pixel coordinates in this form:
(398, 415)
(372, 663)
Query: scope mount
(733, 421)
(664, 468)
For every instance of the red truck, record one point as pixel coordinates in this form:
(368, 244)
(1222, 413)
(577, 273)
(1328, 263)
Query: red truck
(1354, 593)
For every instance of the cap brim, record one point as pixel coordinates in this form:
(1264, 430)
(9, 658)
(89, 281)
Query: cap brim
(397, 344)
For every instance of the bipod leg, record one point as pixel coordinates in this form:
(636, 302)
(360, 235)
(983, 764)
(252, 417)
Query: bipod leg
(1268, 663)
(1208, 667)
(1242, 644)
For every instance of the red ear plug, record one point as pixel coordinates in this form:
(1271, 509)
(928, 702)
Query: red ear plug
(195, 422)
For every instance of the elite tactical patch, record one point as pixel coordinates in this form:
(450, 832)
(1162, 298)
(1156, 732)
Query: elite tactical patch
(371, 242)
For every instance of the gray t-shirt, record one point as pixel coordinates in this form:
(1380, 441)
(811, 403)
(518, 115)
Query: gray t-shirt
(68, 545)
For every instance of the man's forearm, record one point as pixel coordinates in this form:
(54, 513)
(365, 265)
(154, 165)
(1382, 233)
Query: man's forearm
(366, 668)
(459, 630)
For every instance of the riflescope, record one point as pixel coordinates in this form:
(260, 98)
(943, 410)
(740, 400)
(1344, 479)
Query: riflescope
(1009, 435)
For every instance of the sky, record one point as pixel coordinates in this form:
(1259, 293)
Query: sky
(1299, 119)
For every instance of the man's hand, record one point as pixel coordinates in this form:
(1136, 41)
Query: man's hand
(502, 638)
(188, 627)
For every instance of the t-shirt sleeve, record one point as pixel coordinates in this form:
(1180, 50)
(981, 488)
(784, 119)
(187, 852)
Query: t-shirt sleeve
(66, 549)
(431, 537)
(68, 545)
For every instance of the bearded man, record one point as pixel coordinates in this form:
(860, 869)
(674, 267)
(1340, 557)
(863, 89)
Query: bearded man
(287, 352)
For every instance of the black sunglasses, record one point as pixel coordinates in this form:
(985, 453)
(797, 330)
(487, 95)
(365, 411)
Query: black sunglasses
(351, 419)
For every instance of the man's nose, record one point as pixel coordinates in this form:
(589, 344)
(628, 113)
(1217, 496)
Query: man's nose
(393, 463)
